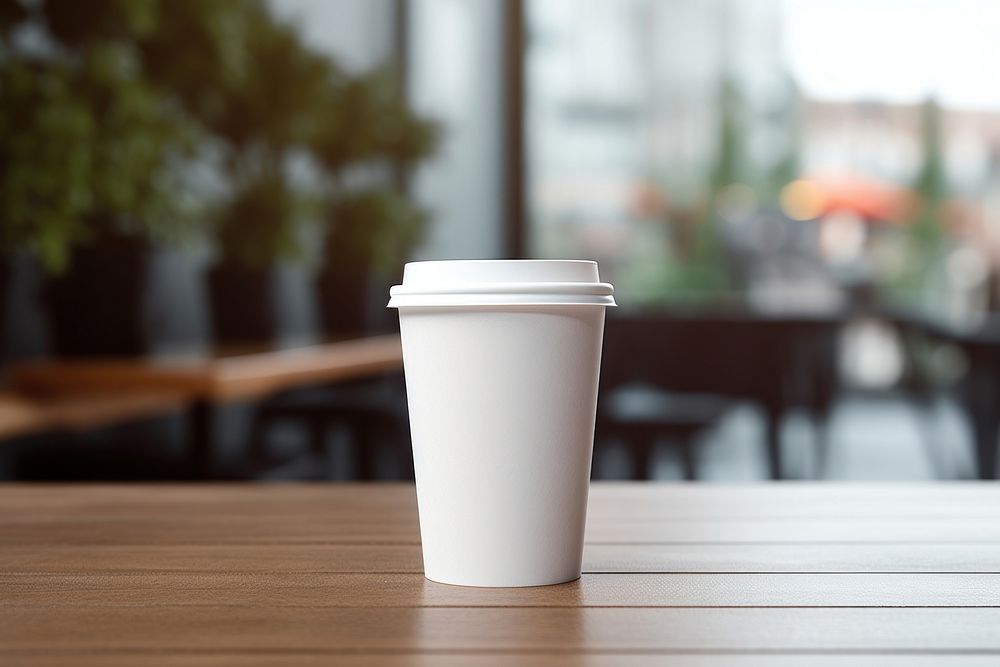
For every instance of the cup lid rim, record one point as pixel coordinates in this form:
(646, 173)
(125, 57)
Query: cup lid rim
(495, 281)
(594, 289)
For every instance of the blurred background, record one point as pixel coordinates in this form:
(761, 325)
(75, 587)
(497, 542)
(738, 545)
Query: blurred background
(204, 202)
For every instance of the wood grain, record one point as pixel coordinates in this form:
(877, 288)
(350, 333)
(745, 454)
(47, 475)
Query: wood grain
(610, 501)
(321, 590)
(22, 415)
(808, 558)
(236, 530)
(266, 628)
(386, 514)
(495, 659)
(598, 558)
(827, 501)
(145, 558)
(19, 415)
(308, 574)
(248, 376)
(217, 378)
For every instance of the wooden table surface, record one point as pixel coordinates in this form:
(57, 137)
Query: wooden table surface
(24, 415)
(783, 574)
(216, 378)
(79, 394)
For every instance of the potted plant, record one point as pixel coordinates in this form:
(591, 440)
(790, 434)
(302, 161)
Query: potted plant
(46, 136)
(244, 80)
(256, 228)
(89, 182)
(369, 134)
(132, 200)
(264, 115)
(85, 181)
(372, 232)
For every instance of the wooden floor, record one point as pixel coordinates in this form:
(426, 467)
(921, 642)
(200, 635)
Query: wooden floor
(312, 574)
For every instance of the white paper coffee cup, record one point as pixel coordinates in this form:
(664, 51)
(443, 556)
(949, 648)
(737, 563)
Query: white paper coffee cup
(502, 360)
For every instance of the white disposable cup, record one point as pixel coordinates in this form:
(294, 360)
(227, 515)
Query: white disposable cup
(502, 360)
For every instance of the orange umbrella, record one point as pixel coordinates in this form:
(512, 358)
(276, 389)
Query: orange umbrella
(819, 195)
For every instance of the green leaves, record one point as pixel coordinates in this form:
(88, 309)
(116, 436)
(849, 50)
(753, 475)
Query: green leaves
(272, 103)
(369, 123)
(290, 101)
(79, 25)
(98, 127)
(87, 144)
(373, 228)
(367, 119)
(138, 135)
(196, 52)
(259, 222)
(47, 136)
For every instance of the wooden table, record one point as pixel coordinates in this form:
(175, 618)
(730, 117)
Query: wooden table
(201, 383)
(312, 574)
(27, 415)
(216, 378)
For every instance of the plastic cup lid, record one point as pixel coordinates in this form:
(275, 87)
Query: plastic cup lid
(501, 283)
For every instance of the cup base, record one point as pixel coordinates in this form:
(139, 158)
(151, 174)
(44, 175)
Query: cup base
(501, 583)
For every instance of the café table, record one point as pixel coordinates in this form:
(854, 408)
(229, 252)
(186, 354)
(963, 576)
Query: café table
(767, 574)
(118, 388)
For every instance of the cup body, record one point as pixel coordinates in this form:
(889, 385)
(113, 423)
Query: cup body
(502, 402)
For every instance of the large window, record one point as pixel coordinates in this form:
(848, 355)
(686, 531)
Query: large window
(784, 151)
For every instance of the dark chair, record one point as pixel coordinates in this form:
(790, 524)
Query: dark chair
(642, 416)
(635, 405)
(373, 414)
(775, 361)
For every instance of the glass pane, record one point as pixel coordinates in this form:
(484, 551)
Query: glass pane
(786, 153)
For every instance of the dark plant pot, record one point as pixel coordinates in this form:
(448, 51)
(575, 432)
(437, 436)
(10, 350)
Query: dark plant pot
(244, 302)
(343, 301)
(96, 307)
(6, 280)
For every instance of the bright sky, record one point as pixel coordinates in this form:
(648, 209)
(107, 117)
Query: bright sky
(896, 50)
